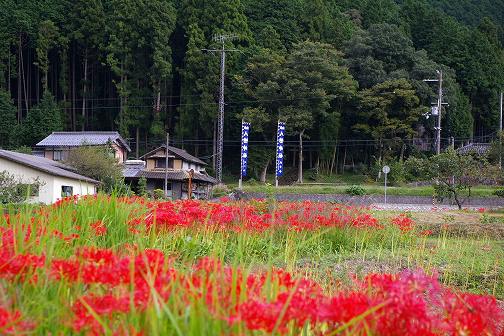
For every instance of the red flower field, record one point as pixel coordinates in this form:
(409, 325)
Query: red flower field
(127, 266)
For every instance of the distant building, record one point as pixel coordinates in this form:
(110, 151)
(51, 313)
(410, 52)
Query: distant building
(180, 166)
(57, 180)
(57, 145)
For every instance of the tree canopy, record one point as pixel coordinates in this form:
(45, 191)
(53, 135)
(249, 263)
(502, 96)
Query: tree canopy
(329, 68)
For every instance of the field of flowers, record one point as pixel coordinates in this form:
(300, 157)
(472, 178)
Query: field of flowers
(128, 266)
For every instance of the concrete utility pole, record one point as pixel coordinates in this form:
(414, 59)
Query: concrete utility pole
(439, 107)
(220, 119)
(166, 166)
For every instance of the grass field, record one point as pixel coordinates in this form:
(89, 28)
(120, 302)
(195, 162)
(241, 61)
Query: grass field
(482, 191)
(129, 266)
(338, 184)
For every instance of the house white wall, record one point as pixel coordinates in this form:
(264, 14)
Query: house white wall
(79, 187)
(189, 165)
(50, 190)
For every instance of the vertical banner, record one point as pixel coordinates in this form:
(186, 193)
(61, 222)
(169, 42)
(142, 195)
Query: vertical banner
(280, 148)
(244, 147)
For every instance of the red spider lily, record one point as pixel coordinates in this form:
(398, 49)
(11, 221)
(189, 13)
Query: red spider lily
(12, 323)
(404, 223)
(99, 228)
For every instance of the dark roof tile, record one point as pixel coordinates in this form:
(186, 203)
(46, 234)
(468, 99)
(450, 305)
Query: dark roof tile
(45, 165)
(75, 139)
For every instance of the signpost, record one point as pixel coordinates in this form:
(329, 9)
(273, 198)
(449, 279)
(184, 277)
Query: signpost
(386, 170)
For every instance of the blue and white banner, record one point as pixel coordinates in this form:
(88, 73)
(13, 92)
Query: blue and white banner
(244, 147)
(280, 148)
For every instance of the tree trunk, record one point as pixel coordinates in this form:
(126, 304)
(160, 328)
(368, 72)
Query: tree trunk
(9, 71)
(264, 171)
(300, 166)
(455, 197)
(23, 77)
(19, 90)
(74, 103)
(403, 148)
(333, 159)
(84, 91)
(344, 161)
(137, 145)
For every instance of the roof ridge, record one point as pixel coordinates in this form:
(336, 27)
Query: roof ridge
(80, 132)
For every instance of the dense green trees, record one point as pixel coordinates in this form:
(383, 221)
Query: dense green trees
(329, 68)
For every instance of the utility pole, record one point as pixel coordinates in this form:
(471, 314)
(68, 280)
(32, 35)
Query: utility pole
(166, 166)
(220, 119)
(439, 107)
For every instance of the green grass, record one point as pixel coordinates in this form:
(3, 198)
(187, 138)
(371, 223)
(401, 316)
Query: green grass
(467, 261)
(483, 191)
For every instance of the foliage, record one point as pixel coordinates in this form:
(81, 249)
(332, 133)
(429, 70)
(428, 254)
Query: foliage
(237, 265)
(158, 194)
(15, 190)
(42, 120)
(99, 163)
(142, 186)
(7, 119)
(143, 67)
(454, 175)
(355, 190)
(220, 190)
(499, 192)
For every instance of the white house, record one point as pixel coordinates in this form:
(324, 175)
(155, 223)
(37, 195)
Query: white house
(57, 180)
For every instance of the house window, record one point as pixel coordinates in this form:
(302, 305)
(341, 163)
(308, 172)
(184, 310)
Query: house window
(57, 155)
(66, 191)
(161, 163)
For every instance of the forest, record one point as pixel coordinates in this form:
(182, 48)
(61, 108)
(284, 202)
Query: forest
(346, 76)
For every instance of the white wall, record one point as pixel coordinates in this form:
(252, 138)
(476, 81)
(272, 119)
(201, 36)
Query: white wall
(79, 187)
(50, 190)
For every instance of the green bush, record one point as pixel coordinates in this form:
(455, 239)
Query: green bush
(158, 194)
(220, 190)
(355, 190)
(499, 192)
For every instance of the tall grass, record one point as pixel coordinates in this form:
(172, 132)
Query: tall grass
(330, 256)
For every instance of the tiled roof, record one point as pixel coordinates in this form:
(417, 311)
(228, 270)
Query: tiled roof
(132, 170)
(45, 165)
(173, 175)
(478, 148)
(74, 139)
(177, 152)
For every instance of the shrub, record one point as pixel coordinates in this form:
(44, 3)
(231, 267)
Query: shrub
(499, 192)
(355, 190)
(220, 190)
(13, 190)
(158, 194)
(99, 163)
